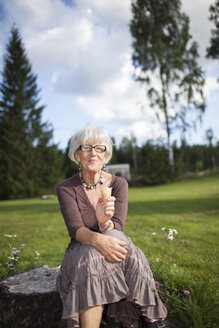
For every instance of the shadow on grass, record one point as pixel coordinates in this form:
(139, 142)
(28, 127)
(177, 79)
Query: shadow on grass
(31, 208)
(140, 207)
(177, 206)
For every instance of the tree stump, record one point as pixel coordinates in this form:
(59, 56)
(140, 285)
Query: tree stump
(30, 300)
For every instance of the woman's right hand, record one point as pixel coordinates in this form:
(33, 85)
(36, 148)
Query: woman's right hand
(112, 248)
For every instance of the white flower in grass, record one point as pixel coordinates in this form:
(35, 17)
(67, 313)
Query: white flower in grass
(9, 236)
(15, 252)
(162, 229)
(14, 235)
(154, 233)
(157, 260)
(37, 254)
(171, 233)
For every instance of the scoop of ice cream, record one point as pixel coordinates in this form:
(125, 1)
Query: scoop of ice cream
(105, 193)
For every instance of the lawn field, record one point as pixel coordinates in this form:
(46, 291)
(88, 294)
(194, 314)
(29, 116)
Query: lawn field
(191, 207)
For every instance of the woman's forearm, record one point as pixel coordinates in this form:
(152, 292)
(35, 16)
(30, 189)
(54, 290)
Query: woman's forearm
(111, 248)
(86, 236)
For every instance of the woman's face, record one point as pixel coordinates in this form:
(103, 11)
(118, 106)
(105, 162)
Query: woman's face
(91, 161)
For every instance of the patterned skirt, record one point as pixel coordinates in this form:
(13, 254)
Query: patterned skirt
(126, 289)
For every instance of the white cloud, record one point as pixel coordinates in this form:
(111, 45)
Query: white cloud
(121, 99)
(92, 70)
(142, 130)
(35, 14)
(59, 47)
(54, 34)
(96, 65)
(114, 11)
(85, 53)
(211, 85)
(200, 27)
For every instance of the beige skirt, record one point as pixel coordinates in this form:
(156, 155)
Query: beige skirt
(126, 289)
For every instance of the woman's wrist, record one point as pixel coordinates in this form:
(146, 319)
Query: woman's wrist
(107, 225)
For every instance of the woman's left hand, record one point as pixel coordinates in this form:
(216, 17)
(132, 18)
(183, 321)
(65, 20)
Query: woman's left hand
(104, 212)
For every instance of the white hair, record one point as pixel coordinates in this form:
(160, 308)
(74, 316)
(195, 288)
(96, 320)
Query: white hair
(94, 135)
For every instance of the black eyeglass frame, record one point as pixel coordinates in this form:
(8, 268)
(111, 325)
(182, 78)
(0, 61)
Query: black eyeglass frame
(92, 147)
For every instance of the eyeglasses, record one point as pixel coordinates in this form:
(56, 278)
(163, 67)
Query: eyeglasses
(98, 148)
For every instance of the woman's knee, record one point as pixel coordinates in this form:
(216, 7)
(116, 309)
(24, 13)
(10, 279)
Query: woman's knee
(117, 234)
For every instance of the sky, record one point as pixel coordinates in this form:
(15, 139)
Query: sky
(81, 52)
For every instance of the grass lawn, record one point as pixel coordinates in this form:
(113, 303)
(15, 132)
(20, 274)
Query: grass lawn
(191, 207)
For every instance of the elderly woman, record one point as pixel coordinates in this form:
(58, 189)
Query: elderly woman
(102, 268)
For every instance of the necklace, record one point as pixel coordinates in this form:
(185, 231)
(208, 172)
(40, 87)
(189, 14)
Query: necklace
(90, 187)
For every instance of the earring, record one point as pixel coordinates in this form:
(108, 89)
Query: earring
(79, 168)
(104, 167)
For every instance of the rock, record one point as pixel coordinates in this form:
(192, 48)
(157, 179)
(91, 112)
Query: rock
(30, 300)
(51, 196)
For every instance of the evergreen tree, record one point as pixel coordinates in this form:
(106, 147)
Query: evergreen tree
(69, 168)
(213, 49)
(166, 60)
(23, 138)
(114, 159)
(154, 165)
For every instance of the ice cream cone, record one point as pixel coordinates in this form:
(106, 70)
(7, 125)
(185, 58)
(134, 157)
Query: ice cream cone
(105, 193)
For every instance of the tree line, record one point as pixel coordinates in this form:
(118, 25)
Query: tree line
(149, 162)
(31, 164)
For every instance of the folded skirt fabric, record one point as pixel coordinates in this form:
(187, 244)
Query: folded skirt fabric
(126, 289)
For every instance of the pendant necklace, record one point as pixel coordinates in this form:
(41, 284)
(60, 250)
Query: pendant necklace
(90, 187)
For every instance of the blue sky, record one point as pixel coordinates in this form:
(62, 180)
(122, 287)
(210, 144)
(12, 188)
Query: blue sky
(81, 53)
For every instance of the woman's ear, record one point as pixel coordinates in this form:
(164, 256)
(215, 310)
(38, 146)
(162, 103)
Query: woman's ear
(77, 156)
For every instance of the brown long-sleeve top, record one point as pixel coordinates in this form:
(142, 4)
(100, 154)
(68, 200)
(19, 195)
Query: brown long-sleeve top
(77, 210)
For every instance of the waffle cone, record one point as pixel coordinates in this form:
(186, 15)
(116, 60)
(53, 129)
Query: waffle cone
(105, 193)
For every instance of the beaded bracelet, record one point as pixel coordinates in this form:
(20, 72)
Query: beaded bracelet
(107, 227)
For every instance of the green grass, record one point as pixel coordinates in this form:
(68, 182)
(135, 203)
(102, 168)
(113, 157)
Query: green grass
(191, 207)
(38, 224)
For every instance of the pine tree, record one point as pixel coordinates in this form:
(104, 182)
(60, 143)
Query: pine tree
(22, 135)
(213, 49)
(69, 167)
(166, 61)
